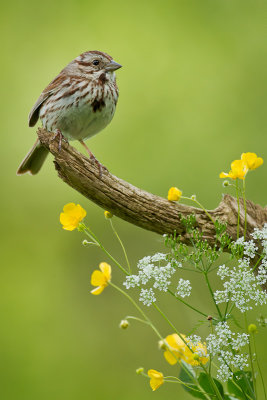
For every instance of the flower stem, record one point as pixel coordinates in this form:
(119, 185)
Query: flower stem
(238, 206)
(245, 207)
(251, 358)
(212, 294)
(188, 305)
(258, 364)
(201, 206)
(92, 236)
(137, 307)
(122, 246)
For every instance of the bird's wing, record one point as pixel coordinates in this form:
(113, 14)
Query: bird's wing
(47, 92)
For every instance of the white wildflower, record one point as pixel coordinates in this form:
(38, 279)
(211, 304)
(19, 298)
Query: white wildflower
(242, 286)
(132, 281)
(250, 248)
(241, 340)
(223, 271)
(184, 288)
(159, 257)
(147, 297)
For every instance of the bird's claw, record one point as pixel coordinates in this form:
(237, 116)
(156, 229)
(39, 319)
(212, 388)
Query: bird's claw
(58, 134)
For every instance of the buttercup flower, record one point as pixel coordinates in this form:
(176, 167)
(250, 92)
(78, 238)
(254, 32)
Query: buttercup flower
(239, 170)
(108, 214)
(252, 160)
(156, 379)
(174, 194)
(71, 216)
(178, 350)
(101, 278)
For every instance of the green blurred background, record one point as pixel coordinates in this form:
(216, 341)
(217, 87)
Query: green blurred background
(192, 99)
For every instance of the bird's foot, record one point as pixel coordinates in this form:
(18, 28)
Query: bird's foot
(101, 167)
(58, 134)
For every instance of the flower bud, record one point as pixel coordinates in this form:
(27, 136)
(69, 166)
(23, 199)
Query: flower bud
(193, 197)
(163, 345)
(252, 328)
(124, 324)
(196, 356)
(139, 371)
(108, 214)
(225, 183)
(174, 194)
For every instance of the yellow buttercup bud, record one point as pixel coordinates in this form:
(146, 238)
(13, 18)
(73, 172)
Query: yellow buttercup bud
(252, 328)
(174, 194)
(139, 370)
(124, 324)
(162, 345)
(108, 214)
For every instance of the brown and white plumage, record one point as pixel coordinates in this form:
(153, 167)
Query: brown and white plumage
(78, 103)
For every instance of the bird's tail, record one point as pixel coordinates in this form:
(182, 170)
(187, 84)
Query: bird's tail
(34, 160)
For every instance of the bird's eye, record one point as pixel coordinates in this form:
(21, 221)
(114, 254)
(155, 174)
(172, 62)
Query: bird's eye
(96, 62)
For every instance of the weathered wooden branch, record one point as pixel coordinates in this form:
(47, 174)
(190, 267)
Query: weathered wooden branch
(139, 207)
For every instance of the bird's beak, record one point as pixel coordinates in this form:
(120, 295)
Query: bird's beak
(112, 66)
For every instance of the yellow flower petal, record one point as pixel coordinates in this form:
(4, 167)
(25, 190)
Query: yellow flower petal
(252, 160)
(156, 379)
(98, 290)
(174, 194)
(224, 175)
(171, 357)
(72, 216)
(106, 269)
(101, 278)
(179, 350)
(98, 279)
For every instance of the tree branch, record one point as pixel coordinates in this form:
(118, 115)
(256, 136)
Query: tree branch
(139, 207)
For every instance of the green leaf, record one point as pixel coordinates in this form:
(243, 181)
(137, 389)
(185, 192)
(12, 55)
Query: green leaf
(188, 376)
(243, 384)
(205, 383)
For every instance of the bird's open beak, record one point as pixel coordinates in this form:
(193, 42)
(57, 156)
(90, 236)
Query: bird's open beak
(112, 66)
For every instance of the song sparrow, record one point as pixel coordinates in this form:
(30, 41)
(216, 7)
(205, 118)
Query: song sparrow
(76, 105)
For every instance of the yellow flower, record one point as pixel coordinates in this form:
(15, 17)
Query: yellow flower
(252, 160)
(239, 170)
(101, 278)
(108, 214)
(156, 379)
(71, 216)
(178, 350)
(174, 194)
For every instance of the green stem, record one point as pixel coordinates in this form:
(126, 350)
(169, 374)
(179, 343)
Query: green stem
(213, 384)
(137, 307)
(245, 207)
(187, 304)
(258, 364)
(238, 206)
(92, 236)
(122, 246)
(251, 358)
(201, 206)
(212, 295)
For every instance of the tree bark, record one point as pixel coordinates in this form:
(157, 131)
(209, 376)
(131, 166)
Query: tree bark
(139, 207)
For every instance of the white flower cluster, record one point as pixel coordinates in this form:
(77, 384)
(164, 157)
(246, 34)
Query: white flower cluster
(221, 344)
(242, 287)
(151, 271)
(261, 235)
(147, 297)
(184, 288)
